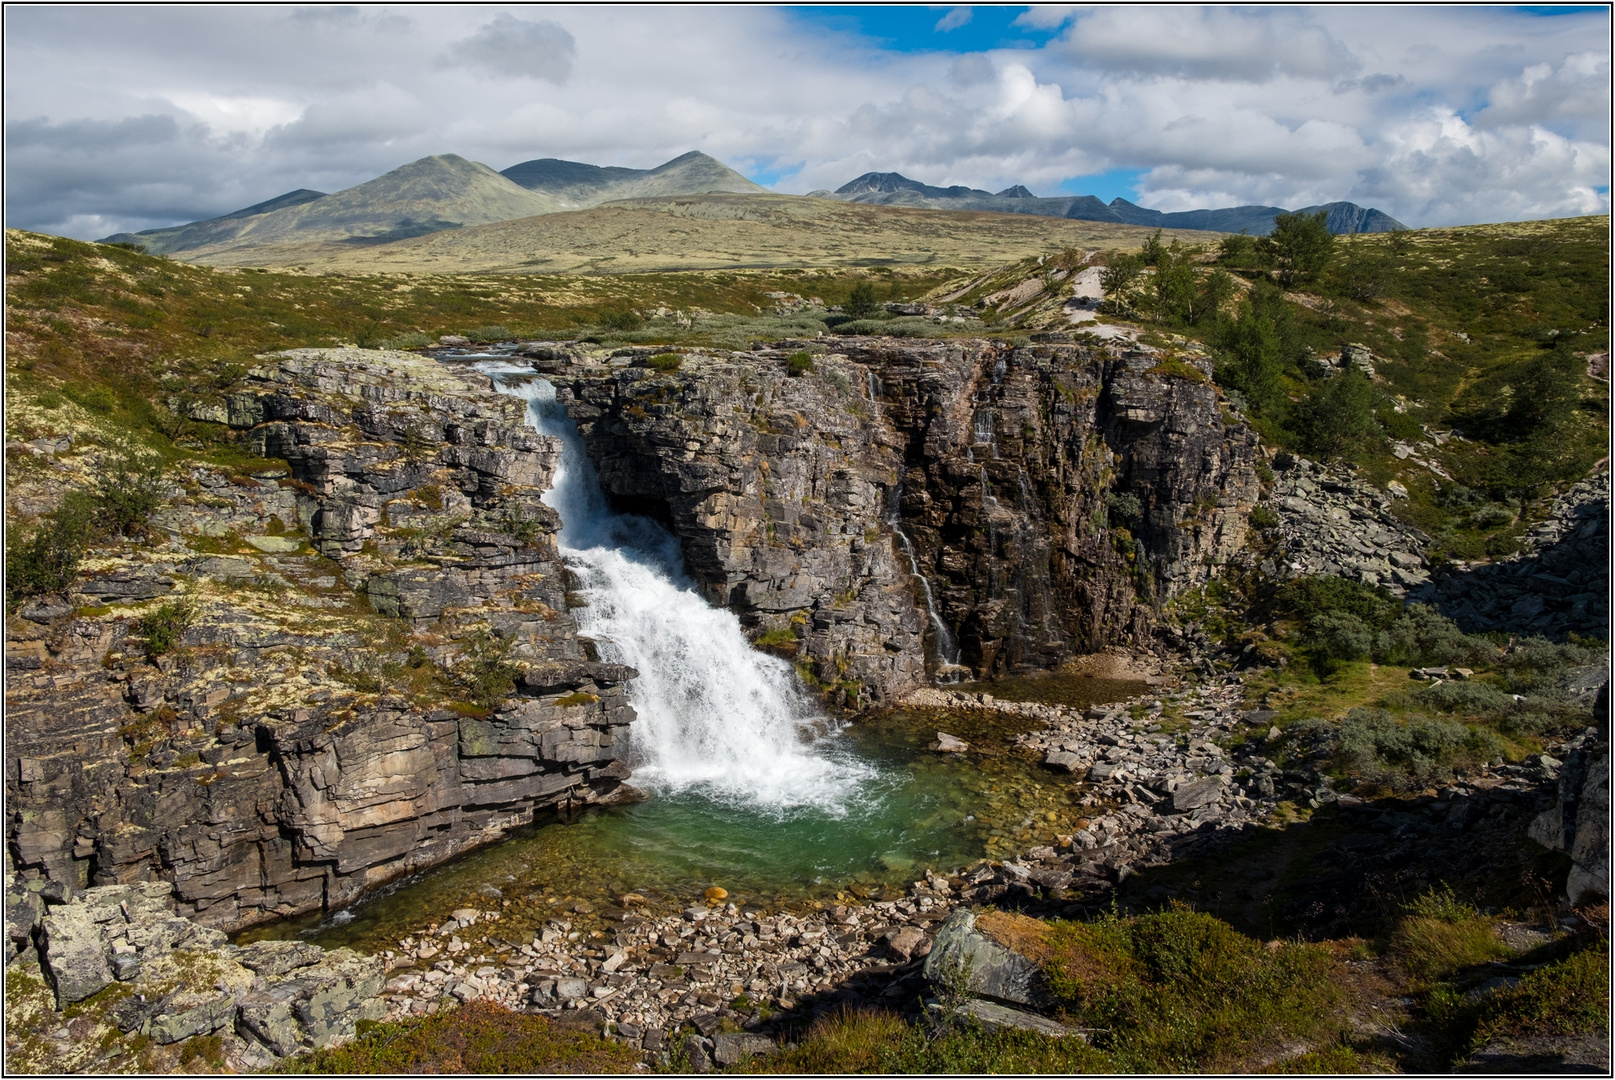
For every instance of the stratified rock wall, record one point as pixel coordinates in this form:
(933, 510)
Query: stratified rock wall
(794, 496)
(776, 486)
(297, 744)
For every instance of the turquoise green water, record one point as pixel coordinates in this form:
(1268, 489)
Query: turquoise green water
(922, 810)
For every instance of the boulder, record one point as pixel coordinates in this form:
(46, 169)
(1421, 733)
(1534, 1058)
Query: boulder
(995, 1017)
(948, 744)
(731, 1048)
(72, 955)
(1194, 794)
(984, 965)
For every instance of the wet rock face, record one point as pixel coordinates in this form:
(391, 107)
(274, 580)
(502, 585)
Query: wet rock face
(269, 764)
(799, 500)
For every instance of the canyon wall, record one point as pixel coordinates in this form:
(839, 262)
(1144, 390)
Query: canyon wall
(315, 727)
(1051, 496)
(351, 655)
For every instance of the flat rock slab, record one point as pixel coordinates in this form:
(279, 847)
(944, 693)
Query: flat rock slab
(995, 1017)
(733, 1048)
(275, 545)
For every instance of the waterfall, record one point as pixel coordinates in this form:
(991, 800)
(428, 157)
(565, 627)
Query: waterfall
(945, 647)
(715, 715)
(869, 381)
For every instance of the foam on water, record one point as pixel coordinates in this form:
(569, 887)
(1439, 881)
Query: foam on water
(716, 717)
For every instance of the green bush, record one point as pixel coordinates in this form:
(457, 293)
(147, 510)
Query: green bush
(487, 672)
(1337, 419)
(624, 319)
(798, 364)
(1123, 507)
(1405, 754)
(46, 559)
(409, 341)
(861, 302)
(487, 335)
(1422, 636)
(162, 629)
(1340, 635)
(127, 494)
(667, 361)
(1263, 517)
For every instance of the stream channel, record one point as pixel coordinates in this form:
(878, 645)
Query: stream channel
(751, 787)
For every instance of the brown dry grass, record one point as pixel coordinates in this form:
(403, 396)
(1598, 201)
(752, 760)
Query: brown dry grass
(1019, 933)
(704, 232)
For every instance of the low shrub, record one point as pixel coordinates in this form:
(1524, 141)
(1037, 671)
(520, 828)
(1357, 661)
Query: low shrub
(409, 341)
(799, 364)
(1179, 990)
(478, 1037)
(162, 629)
(667, 361)
(487, 335)
(1405, 754)
(1570, 997)
(621, 320)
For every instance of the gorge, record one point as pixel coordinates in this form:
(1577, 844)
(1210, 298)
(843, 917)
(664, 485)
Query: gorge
(275, 763)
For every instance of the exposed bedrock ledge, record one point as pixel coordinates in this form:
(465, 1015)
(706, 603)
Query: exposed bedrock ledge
(273, 763)
(1053, 495)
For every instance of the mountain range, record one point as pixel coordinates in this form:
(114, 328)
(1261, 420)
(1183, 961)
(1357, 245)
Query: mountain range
(436, 193)
(895, 189)
(445, 192)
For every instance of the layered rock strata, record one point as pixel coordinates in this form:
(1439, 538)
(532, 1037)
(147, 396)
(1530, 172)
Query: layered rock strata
(1010, 507)
(372, 666)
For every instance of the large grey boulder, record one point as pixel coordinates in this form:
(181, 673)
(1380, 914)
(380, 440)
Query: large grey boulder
(1194, 794)
(964, 958)
(72, 955)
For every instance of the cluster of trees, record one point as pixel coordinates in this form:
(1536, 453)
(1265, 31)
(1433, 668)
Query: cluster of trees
(1177, 292)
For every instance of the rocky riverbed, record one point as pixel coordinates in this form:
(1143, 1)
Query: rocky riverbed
(1168, 775)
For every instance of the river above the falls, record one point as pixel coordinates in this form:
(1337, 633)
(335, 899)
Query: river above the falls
(751, 788)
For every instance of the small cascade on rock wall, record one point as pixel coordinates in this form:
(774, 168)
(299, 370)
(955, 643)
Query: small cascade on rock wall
(869, 381)
(947, 649)
(714, 713)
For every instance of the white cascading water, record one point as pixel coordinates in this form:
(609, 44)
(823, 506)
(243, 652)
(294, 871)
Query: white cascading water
(715, 715)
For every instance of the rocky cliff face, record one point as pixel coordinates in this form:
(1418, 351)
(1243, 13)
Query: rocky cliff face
(314, 676)
(1039, 501)
(335, 711)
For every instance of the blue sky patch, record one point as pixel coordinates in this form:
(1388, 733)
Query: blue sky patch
(1105, 186)
(915, 28)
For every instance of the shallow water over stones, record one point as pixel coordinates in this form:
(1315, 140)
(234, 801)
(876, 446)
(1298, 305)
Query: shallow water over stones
(925, 811)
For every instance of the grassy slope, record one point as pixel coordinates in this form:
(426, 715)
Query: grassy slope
(719, 231)
(98, 335)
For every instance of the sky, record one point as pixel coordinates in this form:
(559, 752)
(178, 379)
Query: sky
(132, 117)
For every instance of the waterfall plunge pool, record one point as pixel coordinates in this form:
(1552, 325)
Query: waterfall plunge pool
(743, 794)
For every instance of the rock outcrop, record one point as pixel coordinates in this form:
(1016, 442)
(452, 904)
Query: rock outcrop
(1578, 823)
(177, 980)
(1333, 524)
(371, 669)
(1009, 507)
(1557, 584)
